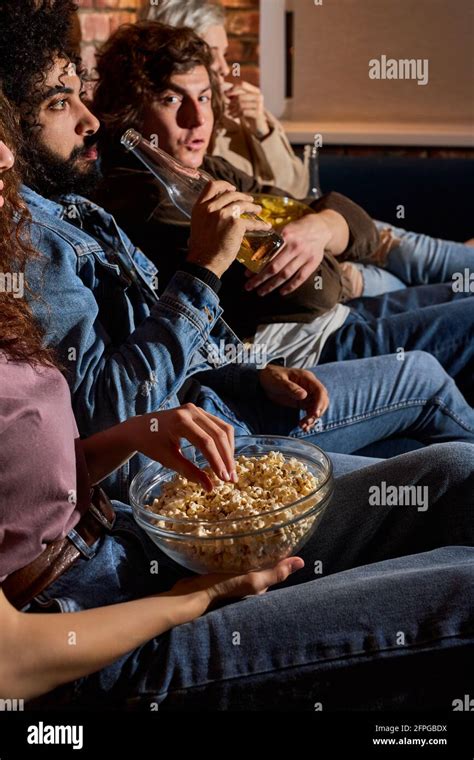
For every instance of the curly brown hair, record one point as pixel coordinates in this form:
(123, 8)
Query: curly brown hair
(136, 63)
(21, 338)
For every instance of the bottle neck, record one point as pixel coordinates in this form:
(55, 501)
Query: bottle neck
(313, 166)
(183, 184)
(158, 158)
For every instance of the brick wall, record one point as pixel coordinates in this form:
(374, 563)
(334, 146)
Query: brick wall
(98, 19)
(243, 21)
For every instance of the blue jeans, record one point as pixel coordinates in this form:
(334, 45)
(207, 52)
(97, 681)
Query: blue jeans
(370, 400)
(427, 318)
(383, 605)
(416, 260)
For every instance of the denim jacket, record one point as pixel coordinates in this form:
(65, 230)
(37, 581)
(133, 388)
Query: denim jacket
(124, 350)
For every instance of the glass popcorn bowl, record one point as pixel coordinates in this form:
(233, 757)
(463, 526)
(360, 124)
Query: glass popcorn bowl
(238, 544)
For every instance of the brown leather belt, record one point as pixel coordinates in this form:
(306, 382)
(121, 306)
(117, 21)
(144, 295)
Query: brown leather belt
(23, 585)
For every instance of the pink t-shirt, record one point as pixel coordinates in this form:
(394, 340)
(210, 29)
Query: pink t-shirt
(43, 491)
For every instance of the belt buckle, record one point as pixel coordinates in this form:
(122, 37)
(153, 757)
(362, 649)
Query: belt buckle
(101, 518)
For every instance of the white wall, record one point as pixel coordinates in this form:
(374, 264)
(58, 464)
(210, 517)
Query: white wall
(335, 41)
(272, 58)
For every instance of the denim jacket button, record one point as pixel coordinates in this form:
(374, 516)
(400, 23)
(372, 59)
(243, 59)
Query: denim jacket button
(209, 315)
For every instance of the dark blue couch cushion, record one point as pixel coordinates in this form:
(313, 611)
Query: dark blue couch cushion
(437, 193)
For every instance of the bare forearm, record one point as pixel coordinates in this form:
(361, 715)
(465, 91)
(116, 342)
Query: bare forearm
(339, 230)
(107, 451)
(73, 645)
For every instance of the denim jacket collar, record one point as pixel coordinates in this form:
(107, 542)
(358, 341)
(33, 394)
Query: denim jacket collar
(59, 207)
(32, 198)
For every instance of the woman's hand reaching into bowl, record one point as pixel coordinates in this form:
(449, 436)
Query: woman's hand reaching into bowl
(158, 436)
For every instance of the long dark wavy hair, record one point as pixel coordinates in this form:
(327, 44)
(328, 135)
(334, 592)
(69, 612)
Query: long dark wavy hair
(20, 337)
(134, 65)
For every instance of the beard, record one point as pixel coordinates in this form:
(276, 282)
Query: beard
(52, 176)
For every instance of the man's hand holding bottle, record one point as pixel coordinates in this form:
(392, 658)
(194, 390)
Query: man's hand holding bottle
(218, 228)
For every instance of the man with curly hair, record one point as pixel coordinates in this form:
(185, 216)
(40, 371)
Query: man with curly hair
(125, 351)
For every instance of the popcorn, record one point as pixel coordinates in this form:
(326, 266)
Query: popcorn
(253, 509)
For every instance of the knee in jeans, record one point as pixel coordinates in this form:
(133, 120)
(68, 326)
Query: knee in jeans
(423, 363)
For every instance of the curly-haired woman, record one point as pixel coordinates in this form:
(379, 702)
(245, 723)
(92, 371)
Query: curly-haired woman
(45, 510)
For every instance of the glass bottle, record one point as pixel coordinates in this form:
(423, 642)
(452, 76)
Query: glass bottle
(311, 154)
(184, 185)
